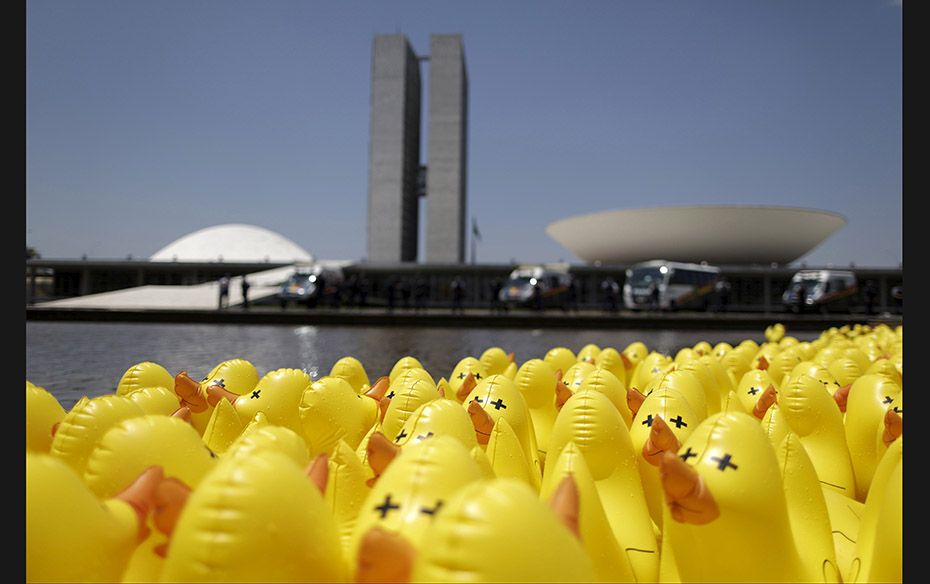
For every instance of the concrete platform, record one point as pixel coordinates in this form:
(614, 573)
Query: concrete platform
(443, 317)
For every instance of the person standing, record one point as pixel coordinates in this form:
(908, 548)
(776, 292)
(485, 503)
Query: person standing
(870, 292)
(458, 295)
(420, 293)
(224, 292)
(496, 287)
(723, 294)
(245, 293)
(609, 287)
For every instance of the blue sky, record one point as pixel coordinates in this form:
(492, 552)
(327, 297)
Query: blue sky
(148, 120)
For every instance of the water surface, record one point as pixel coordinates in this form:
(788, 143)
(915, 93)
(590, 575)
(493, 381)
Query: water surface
(75, 359)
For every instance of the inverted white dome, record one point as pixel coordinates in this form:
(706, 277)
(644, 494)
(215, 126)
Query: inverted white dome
(719, 234)
(233, 242)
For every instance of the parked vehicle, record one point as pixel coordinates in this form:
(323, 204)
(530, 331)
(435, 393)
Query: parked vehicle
(310, 285)
(537, 286)
(820, 290)
(664, 285)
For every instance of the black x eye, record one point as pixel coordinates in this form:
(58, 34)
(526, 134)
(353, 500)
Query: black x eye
(386, 507)
(687, 454)
(433, 510)
(723, 463)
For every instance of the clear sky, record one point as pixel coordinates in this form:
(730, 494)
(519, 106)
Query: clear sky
(147, 120)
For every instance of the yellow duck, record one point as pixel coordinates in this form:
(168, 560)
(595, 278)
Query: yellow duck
(277, 395)
(588, 353)
(702, 348)
(143, 375)
(812, 414)
(610, 561)
(345, 491)
(560, 358)
(722, 490)
(260, 435)
(230, 379)
(713, 392)
(352, 371)
(438, 417)
(887, 368)
(499, 531)
(496, 360)
(721, 349)
(605, 382)
(663, 421)
(132, 446)
(807, 509)
(687, 383)
(593, 424)
(331, 410)
(537, 381)
(775, 332)
(499, 398)
(255, 518)
(752, 386)
(466, 366)
(880, 545)
(614, 361)
(71, 535)
(574, 376)
(403, 364)
(866, 405)
(408, 391)
(410, 495)
(651, 365)
(43, 412)
(85, 424)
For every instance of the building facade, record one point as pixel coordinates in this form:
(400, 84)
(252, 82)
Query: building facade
(447, 149)
(395, 177)
(394, 151)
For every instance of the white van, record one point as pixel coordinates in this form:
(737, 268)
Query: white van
(551, 282)
(304, 285)
(820, 290)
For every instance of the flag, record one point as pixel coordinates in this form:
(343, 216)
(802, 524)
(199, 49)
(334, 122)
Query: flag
(474, 229)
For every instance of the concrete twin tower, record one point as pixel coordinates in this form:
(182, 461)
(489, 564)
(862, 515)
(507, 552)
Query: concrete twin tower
(396, 179)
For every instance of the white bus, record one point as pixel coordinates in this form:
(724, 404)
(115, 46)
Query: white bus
(660, 284)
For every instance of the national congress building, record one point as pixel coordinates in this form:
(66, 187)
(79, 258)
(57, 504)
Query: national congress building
(396, 178)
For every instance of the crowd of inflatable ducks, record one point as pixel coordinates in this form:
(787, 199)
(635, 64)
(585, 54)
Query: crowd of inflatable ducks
(772, 462)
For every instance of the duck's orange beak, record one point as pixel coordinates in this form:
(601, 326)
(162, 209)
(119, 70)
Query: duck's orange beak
(141, 495)
(188, 390)
(661, 439)
(384, 556)
(687, 497)
(318, 471)
(482, 421)
(841, 396)
(182, 412)
(634, 400)
(562, 392)
(765, 401)
(381, 452)
(377, 391)
(217, 392)
(564, 504)
(894, 426)
(467, 385)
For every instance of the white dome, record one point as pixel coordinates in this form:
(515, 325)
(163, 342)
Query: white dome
(233, 242)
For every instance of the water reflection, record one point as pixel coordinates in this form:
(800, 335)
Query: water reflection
(75, 359)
